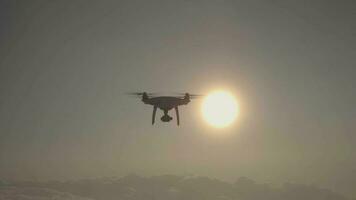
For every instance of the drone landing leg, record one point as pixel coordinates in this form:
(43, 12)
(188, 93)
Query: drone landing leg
(177, 113)
(154, 114)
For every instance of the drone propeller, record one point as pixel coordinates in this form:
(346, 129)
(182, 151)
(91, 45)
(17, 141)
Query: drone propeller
(181, 95)
(191, 96)
(196, 95)
(139, 94)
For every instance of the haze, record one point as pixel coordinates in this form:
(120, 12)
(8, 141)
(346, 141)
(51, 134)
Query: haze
(65, 66)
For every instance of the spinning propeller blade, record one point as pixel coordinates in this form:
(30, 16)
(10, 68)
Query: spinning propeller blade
(180, 95)
(139, 94)
(191, 96)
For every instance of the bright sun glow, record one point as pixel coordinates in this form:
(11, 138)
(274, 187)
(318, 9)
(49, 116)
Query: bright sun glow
(220, 109)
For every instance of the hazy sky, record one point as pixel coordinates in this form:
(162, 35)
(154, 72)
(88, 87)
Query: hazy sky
(64, 66)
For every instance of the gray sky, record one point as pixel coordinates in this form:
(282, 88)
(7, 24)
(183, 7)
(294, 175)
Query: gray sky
(64, 66)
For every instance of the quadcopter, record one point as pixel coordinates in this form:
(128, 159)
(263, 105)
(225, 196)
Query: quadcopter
(165, 103)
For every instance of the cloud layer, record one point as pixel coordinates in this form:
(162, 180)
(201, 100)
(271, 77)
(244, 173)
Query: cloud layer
(35, 193)
(167, 187)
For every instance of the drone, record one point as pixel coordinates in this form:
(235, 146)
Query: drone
(165, 103)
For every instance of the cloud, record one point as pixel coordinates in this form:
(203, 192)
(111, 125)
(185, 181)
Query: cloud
(34, 193)
(167, 187)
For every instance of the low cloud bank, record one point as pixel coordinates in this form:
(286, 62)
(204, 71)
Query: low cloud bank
(34, 193)
(167, 187)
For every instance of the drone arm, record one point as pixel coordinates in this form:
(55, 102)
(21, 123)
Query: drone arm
(154, 114)
(177, 113)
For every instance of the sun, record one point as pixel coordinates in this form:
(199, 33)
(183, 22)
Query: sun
(220, 109)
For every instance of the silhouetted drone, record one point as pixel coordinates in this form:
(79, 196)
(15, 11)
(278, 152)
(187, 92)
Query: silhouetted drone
(165, 103)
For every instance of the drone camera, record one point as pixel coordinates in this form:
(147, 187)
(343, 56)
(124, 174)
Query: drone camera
(166, 118)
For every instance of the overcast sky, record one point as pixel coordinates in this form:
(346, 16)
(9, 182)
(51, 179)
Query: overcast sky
(64, 66)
